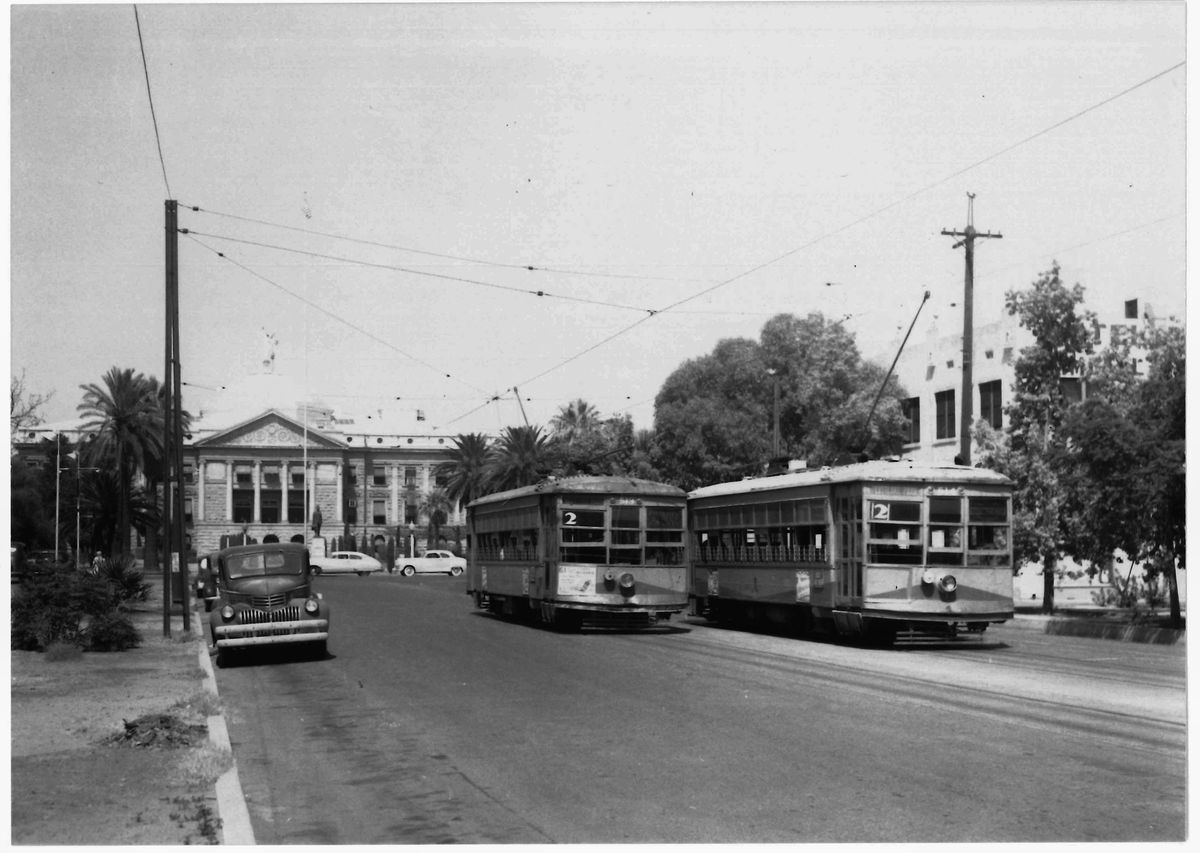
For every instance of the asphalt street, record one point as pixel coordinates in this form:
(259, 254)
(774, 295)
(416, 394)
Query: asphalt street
(432, 722)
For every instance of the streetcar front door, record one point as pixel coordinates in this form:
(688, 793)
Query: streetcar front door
(847, 519)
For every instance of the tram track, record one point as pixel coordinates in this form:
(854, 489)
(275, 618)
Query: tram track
(1111, 726)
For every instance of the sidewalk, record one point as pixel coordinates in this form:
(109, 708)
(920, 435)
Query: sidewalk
(1104, 624)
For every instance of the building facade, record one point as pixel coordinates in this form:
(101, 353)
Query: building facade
(931, 370)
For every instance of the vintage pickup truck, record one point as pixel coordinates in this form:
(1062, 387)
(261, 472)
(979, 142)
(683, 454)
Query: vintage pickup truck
(264, 596)
(433, 563)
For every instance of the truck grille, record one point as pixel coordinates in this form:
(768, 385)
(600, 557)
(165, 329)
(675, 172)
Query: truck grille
(259, 617)
(268, 601)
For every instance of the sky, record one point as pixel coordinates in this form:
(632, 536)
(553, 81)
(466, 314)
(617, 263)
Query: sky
(374, 182)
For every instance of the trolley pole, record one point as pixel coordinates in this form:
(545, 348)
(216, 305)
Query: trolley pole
(968, 235)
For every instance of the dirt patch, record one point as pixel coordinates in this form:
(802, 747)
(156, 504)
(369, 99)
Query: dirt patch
(111, 748)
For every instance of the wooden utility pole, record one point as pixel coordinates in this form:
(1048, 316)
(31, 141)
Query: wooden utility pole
(968, 235)
(172, 457)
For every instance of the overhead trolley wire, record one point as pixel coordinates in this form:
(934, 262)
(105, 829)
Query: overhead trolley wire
(464, 258)
(150, 97)
(411, 271)
(827, 235)
(328, 313)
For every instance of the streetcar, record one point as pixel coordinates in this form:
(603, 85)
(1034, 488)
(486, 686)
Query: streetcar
(867, 550)
(574, 552)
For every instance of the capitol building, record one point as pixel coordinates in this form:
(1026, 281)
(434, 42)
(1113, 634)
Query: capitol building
(261, 458)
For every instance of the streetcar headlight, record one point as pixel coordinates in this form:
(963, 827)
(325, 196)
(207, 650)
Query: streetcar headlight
(226, 612)
(311, 606)
(948, 583)
(928, 578)
(626, 583)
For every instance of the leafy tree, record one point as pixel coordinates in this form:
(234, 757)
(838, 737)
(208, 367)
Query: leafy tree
(1032, 452)
(1122, 466)
(714, 417)
(28, 507)
(1160, 410)
(466, 468)
(521, 457)
(124, 414)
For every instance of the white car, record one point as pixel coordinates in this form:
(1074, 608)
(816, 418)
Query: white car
(345, 563)
(433, 563)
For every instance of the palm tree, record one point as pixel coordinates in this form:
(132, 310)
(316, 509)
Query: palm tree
(100, 502)
(520, 458)
(464, 470)
(435, 505)
(573, 419)
(124, 416)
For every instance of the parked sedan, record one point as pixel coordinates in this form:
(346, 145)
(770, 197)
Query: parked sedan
(344, 563)
(434, 562)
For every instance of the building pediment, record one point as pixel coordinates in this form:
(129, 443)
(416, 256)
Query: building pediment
(270, 429)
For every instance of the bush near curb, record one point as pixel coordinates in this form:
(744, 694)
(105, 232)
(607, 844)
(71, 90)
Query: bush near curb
(64, 606)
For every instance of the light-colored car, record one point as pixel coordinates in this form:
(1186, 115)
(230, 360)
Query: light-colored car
(345, 563)
(433, 563)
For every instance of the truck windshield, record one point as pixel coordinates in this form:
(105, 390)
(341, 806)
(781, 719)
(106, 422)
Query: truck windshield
(264, 563)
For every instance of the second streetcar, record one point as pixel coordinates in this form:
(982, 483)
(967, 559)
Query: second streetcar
(601, 551)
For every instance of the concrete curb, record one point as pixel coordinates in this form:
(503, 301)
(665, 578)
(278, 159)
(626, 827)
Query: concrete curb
(1114, 631)
(231, 801)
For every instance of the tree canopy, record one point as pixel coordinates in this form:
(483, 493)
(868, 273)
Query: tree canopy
(714, 416)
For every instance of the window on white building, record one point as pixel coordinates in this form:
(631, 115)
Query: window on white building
(944, 400)
(912, 413)
(991, 404)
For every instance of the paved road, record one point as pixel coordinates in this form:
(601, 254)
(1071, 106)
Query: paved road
(431, 722)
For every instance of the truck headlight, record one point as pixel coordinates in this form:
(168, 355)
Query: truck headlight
(311, 606)
(226, 612)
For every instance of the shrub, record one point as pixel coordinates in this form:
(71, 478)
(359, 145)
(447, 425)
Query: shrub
(126, 584)
(111, 632)
(56, 606)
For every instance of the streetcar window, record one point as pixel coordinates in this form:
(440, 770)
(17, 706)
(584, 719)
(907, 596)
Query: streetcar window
(582, 535)
(894, 533)
(626, 516)
(582, 517)
(993, 510)
(988, 532)
(945, 531)
(664, 518)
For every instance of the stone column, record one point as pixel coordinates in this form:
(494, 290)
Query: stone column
(200, 463)
(338, 472)
(397, 514)
(257, 496)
